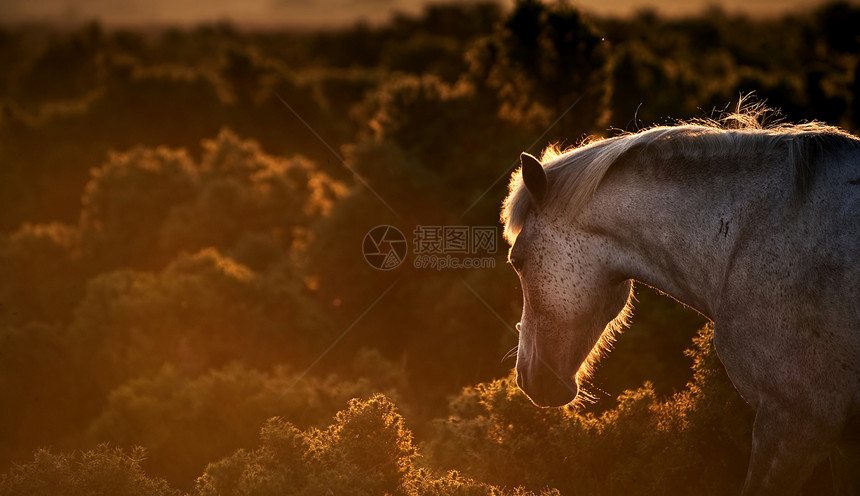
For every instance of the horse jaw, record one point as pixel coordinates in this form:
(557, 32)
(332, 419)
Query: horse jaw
(549, 372)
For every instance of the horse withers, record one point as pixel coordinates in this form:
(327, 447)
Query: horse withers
(757, 229)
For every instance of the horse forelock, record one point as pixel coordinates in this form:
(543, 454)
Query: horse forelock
(573, 175)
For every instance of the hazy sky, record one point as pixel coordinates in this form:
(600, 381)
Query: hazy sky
(316, 12)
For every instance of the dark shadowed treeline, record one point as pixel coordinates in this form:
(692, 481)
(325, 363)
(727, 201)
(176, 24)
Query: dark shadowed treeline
(184, 304)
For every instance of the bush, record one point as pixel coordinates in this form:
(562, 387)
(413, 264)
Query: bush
(174, 415)
(696, 442)
(367, 451)
(103, 471)
(202, 310)
(127, 199)
(42, 273)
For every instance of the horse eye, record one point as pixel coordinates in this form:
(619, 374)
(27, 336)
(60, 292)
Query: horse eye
(517, 263)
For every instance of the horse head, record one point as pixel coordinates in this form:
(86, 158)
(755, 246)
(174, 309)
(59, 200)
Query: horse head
(570, 293)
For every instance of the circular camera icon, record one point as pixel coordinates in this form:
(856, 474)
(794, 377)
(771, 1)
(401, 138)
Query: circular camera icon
(384, 247)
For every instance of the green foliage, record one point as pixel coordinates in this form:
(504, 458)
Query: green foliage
(436, 126)
(201, 311)
(174, 414)
(37, 374)
(368, 450)
(41, 270)
(102, 471)
(128, 197)
(245, 195)
(543, 60)
(146, 205)
(66, 67)
(695, 442)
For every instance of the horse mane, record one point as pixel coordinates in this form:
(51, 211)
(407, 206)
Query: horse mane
(574, 174)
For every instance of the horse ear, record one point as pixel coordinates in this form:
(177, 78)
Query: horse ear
(533, 176)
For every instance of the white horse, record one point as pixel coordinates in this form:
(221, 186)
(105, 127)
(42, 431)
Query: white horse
(757, 229)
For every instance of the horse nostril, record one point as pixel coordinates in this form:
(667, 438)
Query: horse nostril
(518, 326)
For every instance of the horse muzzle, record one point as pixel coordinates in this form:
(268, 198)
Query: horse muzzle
(545, 386)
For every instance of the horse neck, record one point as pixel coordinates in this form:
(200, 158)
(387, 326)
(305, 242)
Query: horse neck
(675, 225)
